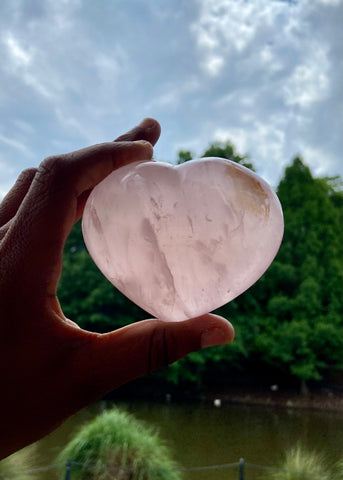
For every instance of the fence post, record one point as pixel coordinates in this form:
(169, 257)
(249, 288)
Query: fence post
(241, 469)
(68, 469)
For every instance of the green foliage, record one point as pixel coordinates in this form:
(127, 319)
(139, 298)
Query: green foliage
(339, 468)
(117, 445)
(300, 464)
(306, 280)
(291, 320)
(218, 149)
(184, 156)
(227, 150)
(289, 345)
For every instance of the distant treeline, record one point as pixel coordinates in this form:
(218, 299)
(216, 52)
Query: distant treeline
(289, 325)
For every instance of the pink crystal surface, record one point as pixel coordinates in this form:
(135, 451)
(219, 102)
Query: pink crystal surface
(181, 241)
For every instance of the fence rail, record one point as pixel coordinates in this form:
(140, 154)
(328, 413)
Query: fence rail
(242, 467)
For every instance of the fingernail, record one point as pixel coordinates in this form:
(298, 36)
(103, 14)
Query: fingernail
(147, 123)
(212, 337)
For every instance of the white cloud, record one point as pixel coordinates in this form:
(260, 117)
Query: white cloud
(15, 144)
(40, 85)
(226, 27)
(29, 67)
(333, 3)
(19, 55)
(309, 81)
(214, 65)
(7, 175)
(109, 66)
(265, 140)
(61, 12)
(265, 74)
(322, 163)
(269, 59)
(25, 127)
(173, 93)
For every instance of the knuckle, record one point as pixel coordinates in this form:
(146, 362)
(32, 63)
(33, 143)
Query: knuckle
(50, 165)
(52, 172)
(27, 174)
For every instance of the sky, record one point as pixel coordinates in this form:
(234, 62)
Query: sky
(263, 74)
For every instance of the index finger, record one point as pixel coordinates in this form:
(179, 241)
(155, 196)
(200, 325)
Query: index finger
(48, 211)
(149, 129)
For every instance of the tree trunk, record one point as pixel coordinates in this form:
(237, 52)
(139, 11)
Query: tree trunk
(304, 391)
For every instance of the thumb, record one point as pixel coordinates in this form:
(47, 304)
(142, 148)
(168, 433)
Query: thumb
(118, 357)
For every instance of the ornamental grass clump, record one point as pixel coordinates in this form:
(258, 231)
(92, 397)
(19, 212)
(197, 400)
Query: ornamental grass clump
(116, 445)
(300, 464)
(339, 468)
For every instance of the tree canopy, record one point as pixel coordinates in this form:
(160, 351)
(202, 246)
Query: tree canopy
(218, 149)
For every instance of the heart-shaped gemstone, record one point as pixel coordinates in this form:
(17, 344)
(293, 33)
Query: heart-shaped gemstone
(181, 241)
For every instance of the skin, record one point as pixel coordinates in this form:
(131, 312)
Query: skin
(49, 367)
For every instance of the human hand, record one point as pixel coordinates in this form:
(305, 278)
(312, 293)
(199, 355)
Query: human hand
(49, 367)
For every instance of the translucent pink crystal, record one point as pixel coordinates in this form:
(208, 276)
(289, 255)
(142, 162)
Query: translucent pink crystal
(182, 240)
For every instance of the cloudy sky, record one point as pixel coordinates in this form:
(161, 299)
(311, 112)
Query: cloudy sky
(264, 74)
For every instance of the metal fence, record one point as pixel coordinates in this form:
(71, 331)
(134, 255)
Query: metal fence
(242, 466)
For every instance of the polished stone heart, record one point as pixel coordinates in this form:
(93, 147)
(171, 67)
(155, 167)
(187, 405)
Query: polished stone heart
(182, 240)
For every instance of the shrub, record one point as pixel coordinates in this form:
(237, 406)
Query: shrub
(300, 464)
(339, 468)
(117, 445)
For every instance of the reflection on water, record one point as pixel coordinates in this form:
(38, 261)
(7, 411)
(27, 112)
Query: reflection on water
(205, 435)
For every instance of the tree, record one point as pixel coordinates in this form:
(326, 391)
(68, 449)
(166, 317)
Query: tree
(305, 282)
(184, 156)
(290, 320)
(218, 149)
(227, 150)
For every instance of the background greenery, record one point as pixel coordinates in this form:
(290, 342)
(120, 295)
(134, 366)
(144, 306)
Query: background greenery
(289, 325)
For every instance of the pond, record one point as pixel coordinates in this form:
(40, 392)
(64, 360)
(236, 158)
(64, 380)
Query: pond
(202, 435)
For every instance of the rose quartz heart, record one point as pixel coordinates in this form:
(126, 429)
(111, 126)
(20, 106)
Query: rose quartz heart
(182, 240)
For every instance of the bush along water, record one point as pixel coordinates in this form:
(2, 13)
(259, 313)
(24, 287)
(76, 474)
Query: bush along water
(339, 468)
(300, 464)
(116, 445)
